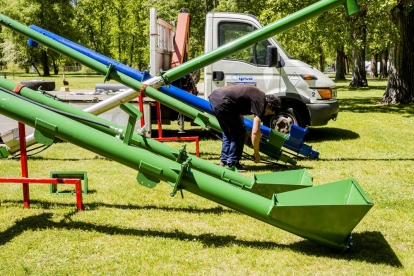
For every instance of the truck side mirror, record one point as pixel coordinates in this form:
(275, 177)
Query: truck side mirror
(273, 57)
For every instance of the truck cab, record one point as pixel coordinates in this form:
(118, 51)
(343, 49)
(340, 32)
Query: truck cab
(308, 96)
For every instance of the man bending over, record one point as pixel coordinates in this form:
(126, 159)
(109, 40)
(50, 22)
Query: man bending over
(230, 104)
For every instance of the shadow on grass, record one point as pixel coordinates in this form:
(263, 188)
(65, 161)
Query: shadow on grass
(373, 105)
(266, 163)
(370, 247)
(68, 191)
(275, 167)
(40, 158)
(47, 205)
(365, 159)
(202, 134)
(329, 134)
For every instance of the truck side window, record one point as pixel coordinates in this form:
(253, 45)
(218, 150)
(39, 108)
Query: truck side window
(229, 31)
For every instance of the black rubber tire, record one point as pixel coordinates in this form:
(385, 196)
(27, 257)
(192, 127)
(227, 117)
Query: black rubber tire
(285, 112)
(35, 84)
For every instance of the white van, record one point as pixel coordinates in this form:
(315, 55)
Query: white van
(308, 96)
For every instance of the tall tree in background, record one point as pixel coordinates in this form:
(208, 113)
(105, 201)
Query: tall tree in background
(400, 87)
(340, 69)
(53, 15)
(384, 63)
(378, 35)
(359, 35)
(94, 18)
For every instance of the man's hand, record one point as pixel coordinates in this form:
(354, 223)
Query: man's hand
(256, 157)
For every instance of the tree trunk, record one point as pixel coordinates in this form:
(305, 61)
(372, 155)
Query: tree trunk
(346, 65)
(119, 36)
(45, 64)
(384, 64)
(321, 59)
(374, 64)
(400, 87)
(340, 64)
(359, 74)
(131, 53)
(55, 67)
(37, 70)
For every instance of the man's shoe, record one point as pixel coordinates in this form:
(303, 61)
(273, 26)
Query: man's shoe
(222, 164)
(238, 166)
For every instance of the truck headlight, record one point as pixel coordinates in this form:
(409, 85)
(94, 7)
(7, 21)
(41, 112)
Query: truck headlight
(325, 93)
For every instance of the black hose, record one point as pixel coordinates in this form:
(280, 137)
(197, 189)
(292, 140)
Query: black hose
(55, 110)
(43, 148)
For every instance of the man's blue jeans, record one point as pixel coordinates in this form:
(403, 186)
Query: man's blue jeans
(234, 134)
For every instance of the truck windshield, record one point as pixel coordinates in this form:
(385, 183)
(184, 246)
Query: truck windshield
(277, 42)
(256, 54)
(282, 48)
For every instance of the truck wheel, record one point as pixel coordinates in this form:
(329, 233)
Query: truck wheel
(35, 84)
(282, 121)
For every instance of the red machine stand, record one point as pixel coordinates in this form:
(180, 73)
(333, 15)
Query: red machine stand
(195, 138)
(77, 182)
(160, 138)
(25, 180)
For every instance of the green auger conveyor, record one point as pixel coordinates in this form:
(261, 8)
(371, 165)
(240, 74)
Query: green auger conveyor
(324, 214)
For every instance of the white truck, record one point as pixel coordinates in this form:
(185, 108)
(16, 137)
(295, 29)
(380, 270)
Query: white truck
(308, 96)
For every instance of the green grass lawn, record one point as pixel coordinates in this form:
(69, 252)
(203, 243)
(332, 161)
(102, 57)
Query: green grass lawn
(130, 230)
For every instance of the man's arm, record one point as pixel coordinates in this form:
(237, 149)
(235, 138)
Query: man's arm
(256, 135)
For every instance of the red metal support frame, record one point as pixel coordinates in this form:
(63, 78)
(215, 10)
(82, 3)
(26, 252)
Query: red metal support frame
(25, 174)
(23, 161)
(159, 120)
(77, 182)
(141, 107)
(195, 138)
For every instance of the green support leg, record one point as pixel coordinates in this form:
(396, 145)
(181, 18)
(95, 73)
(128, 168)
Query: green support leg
(69, 174)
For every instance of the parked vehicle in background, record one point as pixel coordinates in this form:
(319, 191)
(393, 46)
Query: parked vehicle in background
(308, 96)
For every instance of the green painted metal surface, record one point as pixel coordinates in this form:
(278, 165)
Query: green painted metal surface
(278, 182)
(134, 115)
(109, 73)
(332, 210)
(257, 36)
(83, 175)
(4, 153)
(343, 202)
(268, 184)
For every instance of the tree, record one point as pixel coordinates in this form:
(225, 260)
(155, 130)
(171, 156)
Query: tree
(340, 64)
(374, 62)
(53, 15)
(384, 64)
(359, 35)
(400, 87)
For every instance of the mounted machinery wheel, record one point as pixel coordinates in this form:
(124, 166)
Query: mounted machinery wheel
(281, 122)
